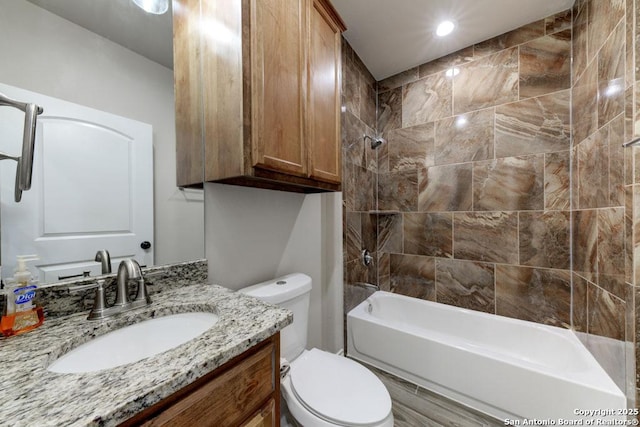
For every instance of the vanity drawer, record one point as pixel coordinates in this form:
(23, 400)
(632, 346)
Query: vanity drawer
(228, 396)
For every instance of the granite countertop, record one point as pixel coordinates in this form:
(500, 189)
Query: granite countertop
(34, 396)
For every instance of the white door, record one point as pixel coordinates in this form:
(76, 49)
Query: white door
(92, 189)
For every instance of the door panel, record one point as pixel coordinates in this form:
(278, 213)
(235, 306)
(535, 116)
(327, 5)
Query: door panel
(92, 189)
(278, 85)
(324, 97)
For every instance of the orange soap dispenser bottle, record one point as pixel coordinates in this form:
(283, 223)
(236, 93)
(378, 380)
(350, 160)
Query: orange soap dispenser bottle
(20, 315)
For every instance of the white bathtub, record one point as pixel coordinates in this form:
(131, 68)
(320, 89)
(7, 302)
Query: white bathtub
(508, 368)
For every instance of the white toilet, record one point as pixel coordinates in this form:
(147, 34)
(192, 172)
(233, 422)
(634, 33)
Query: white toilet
(321, 388)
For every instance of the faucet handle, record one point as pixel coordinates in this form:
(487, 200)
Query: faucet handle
(99, 302)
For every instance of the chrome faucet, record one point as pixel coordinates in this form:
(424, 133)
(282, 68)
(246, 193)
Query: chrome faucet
(102, 256)
(128, 270)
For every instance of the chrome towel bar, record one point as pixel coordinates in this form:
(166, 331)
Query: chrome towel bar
(24, 168)
(632, 142)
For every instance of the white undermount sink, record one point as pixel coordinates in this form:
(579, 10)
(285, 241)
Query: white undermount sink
(133, 343)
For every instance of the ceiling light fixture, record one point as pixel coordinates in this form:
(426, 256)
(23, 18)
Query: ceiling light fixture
(445, 28)
(156, 7)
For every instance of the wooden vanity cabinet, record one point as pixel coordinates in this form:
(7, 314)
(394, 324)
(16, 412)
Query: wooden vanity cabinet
(257, 82)
(243, 392)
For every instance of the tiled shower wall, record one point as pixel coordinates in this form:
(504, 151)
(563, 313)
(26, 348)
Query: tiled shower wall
(471, 201)
(603, 198)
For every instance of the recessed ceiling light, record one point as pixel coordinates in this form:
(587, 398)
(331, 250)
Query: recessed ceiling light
(157, 7)
(445, 28)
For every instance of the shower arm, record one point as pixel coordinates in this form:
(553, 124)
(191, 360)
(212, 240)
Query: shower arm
(375, 141)
(25, 161)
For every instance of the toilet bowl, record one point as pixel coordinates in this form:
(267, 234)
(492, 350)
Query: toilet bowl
(321, 389)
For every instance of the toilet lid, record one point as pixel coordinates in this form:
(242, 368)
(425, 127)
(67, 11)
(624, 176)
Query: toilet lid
(338, 389)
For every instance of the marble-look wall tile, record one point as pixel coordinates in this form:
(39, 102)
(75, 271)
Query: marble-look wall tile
(559, 22)
(426, 100)
(512, 38)
(635, 212)
(613, 283)
(603, 16)
(368, 105)
(384, 271)
(353, 149)
(389, 233)
(611, 241)
(446, 62)
(413, 275)
(535, 125)
(499, 76)
(628, 234)
(411, 148)
(353, 236)
(630, 75)
(630, 154)
(390, 110)
(363, 184)
(356, 272)
(379, 157)
(606, 314)
(369, 233)
(537, 295)
(465, 138)
(348, 186)
(616, 161)
(353, 295)
(545, 239)
(575, 187)
(398, 80)
(600, 167)
(486, 236)
(545, 65)
(579, 38)
(466, 284)
(611, 68)
(428, 234)
(446, 188)
(509, 184)
(398, 191)
(580, 309)
(557, 180)
(585, 240)
(351, 87)
(584, 109)
(593, 170)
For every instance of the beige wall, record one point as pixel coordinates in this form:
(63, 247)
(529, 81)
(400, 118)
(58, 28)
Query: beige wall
(46, 54)
(253, 235)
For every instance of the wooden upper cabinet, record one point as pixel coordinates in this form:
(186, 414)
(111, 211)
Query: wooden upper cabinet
(324, 94)
(278, 80)
(266, 102)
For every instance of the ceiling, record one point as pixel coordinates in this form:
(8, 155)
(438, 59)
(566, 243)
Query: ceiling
(393, 36)
(390, 36)
(122, 22)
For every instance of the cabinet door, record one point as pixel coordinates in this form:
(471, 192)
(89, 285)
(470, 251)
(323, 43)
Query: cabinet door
(324, 96)
(278, 77)
(265, 418)
(188, 86)
(226, 399)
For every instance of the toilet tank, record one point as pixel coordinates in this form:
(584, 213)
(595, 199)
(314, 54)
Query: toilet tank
(291, 292)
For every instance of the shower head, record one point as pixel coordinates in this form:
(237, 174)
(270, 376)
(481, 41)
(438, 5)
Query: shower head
(375, 141)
